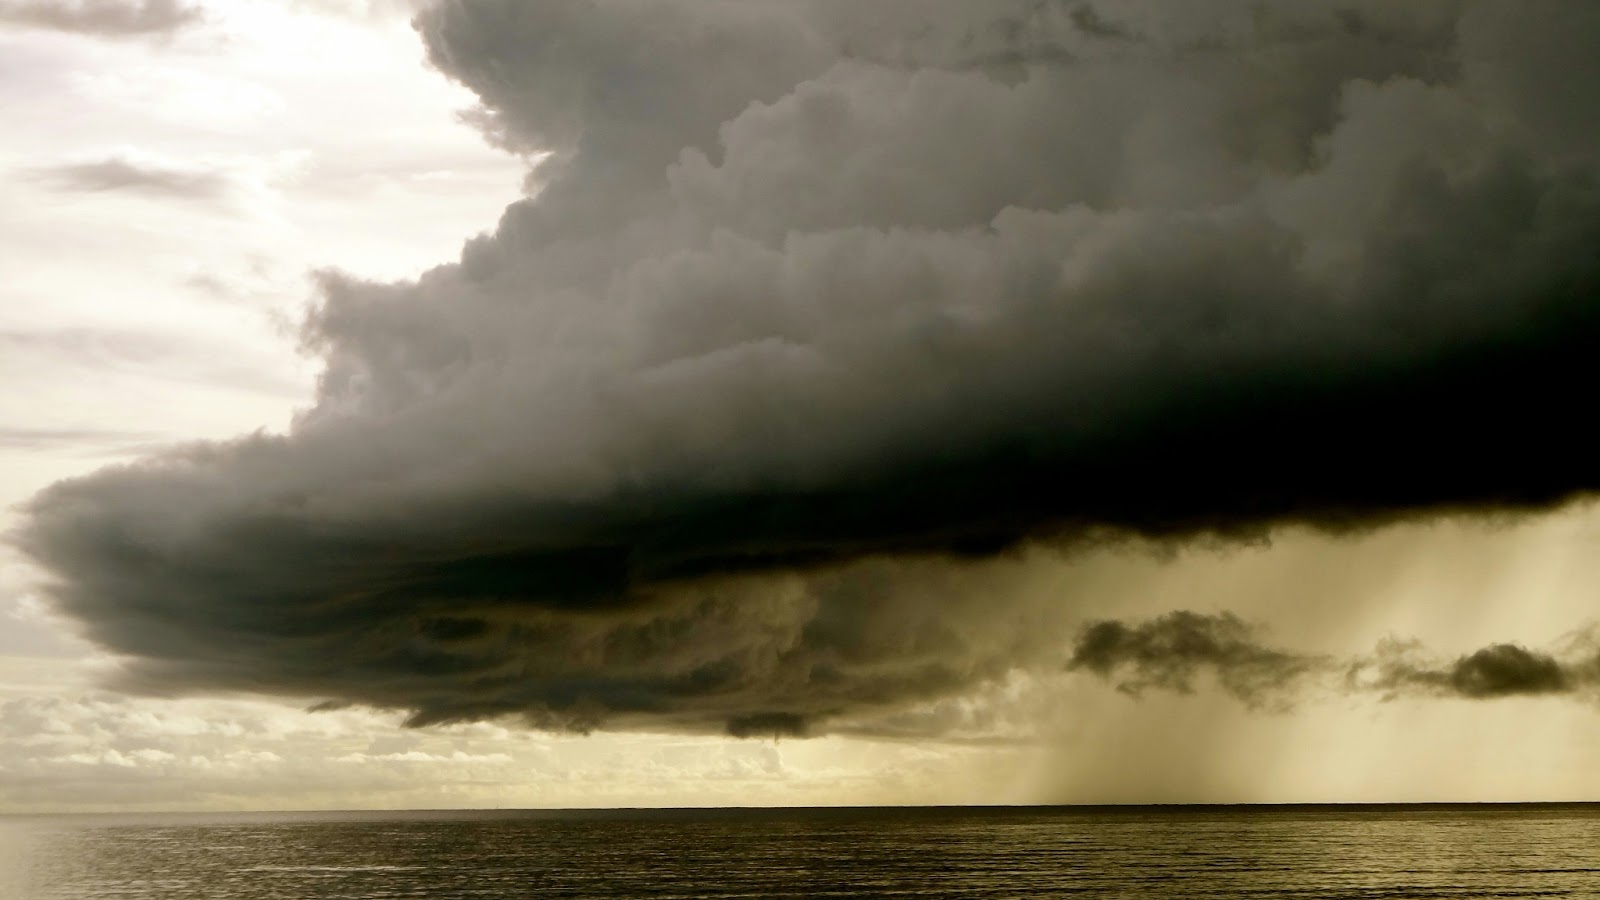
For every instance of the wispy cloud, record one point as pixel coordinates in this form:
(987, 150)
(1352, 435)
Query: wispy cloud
(59, 440)
(236, 184)
(155, 354)
(120, 174)
(103, 18)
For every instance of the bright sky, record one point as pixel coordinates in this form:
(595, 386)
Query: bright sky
(163, 201)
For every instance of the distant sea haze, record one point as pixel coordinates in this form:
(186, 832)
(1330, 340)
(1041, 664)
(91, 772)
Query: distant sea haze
(1313, 852)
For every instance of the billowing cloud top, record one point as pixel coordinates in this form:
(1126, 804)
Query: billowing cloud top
(810, 302)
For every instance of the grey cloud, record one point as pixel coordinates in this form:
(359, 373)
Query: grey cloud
(119, 174)
(105, 18)
(751, 656)
(819, 309)
(1170, 652)
(1499, 670)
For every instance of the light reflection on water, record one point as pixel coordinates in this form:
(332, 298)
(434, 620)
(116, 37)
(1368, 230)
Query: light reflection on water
(1325, 852)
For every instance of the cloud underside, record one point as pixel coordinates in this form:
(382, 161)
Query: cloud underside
(814, 312)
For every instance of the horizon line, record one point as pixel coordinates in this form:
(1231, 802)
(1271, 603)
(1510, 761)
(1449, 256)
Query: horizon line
(979, 808)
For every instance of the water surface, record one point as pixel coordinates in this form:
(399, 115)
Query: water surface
(1190, 852)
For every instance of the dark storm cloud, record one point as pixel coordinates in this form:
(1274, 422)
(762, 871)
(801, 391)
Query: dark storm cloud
(818, 307)
(1172, 652)
(105, 18)
(1499, 670)
(767, 725)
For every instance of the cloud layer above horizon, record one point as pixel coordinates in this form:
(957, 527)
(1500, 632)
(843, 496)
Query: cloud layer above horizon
(1175, 651)
(818, 315)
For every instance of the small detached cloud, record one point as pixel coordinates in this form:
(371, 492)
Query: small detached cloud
(103, 18)
(1499, 670)
(1171, 652)
(118, 174)
(1174, 651)
(226, 183)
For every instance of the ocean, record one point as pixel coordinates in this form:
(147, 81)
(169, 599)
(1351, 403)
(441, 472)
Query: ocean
(1424, 851)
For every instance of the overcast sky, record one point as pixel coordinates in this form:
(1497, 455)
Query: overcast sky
(612, 402)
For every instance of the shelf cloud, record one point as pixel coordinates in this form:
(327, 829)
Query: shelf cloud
(815, 314)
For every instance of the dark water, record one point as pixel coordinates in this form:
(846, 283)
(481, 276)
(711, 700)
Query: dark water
(1188, 852)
